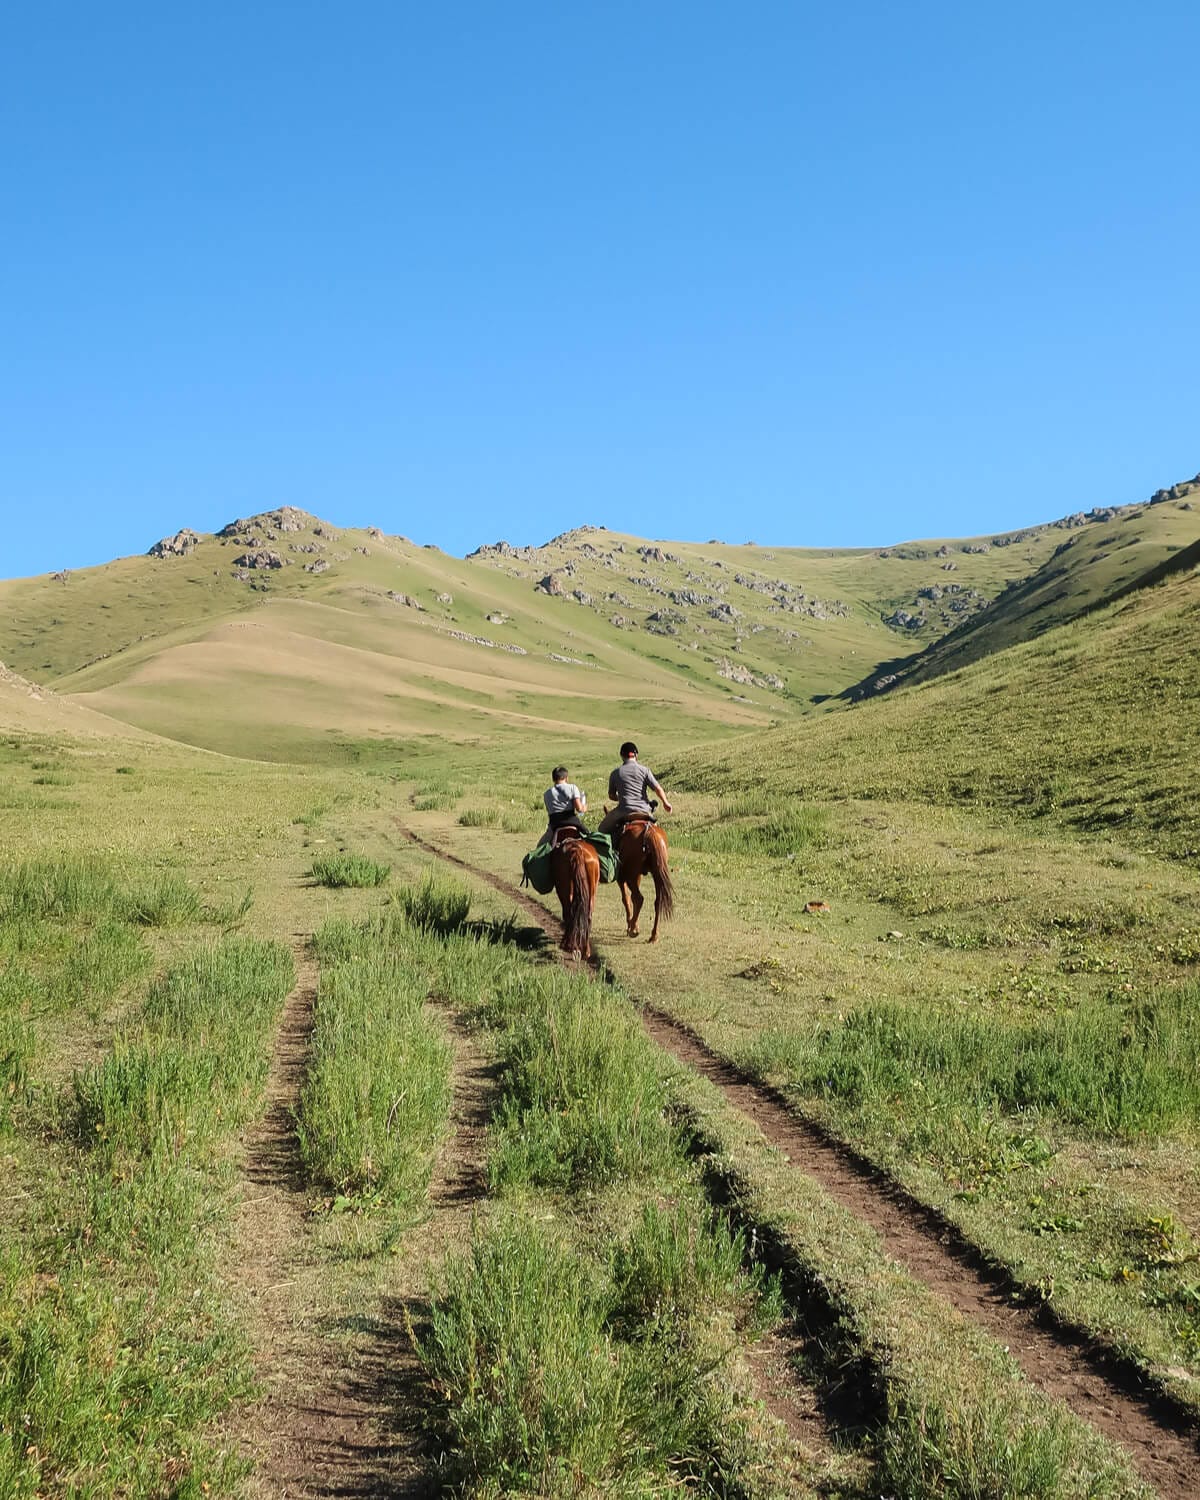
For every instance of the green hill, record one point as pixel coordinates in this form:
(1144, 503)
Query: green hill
(1095, 725)
(282, 637)
(1106, 553)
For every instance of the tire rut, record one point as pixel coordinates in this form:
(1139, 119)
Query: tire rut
(325, 1419)
(1062, 1361)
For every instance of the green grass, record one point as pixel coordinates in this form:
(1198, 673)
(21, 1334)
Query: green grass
(82, 888)
(377, 1092)
(747, 827)
(1094, 727)
(349, 870)
(116, 1354)
(436, 905)
(944, 1410)
(195, 1067)
(553, 1388)
(1124, 1070)
(584, 1099)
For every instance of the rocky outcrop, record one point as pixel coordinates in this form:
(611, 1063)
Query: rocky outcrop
(734, 672)
(901, 619)
(321, 565)
(482, 640)
(1177, 491)
(502, 549)
(264, 557)
(179, 545)
(727, 613)
(406, 599)
(446, 599)
(551, 584)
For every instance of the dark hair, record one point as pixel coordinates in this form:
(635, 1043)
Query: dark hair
(629, 748)
(560, 773)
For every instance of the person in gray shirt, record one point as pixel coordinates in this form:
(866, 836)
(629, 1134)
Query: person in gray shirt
(564, 802)
(629, 785)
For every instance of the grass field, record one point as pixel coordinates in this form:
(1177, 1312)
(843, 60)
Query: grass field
(295, 1119)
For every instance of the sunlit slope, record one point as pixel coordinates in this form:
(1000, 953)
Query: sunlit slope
(1096, 724)
(1096, 563)
(795, 626)
(283, 636)
(26, 708)
(310, 679)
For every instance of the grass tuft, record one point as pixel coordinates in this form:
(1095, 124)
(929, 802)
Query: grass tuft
(349, 870)
(436, 905)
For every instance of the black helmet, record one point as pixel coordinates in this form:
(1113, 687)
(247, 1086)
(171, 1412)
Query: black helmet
(629, 748)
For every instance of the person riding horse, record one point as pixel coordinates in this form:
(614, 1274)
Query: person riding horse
(629, 784)
(564, 802)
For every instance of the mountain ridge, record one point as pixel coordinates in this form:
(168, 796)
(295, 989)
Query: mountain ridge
(358, 638)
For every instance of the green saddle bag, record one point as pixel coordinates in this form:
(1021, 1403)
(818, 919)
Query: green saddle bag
(536, 868)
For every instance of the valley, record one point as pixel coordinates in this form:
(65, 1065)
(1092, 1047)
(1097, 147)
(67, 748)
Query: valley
(876, 1175)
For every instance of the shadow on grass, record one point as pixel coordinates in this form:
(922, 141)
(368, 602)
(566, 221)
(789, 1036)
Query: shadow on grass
(372, 1434)
(527, 938)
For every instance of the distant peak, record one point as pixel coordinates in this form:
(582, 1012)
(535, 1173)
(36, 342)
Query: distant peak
(283, 518)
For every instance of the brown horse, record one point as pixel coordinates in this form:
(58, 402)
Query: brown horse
(643, 851)
(576, 867)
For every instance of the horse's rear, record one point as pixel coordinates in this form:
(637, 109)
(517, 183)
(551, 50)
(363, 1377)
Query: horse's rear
(576, 867)
(643, 851)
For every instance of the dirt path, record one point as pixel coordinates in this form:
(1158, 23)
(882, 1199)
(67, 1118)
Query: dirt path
(1060, 1361)
(342, 1408)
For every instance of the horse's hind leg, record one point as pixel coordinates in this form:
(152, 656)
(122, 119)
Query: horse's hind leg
(638, 900)
(654, 929)
(630, 920)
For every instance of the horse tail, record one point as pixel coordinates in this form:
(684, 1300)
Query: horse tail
(577, 930)
(655, 847)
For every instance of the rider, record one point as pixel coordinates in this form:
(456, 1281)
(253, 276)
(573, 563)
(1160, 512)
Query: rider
(564, 802)
(629, 784)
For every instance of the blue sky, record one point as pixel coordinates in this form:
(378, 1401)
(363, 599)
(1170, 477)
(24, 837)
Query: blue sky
(804, 274)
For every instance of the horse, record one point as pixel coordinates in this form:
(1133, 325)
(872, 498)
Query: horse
(576, 867)
(643, 851)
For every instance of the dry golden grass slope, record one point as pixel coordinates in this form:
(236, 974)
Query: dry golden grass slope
(30, 709)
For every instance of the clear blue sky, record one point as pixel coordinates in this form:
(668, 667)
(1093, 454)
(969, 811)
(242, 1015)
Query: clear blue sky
(809, 274)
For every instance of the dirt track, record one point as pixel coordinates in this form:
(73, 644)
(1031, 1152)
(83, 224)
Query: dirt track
(339, 1415)
(1062, 1362)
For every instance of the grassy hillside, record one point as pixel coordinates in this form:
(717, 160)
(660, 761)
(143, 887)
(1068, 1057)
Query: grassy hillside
(281, 637)
(1104, 556)
(29, 709)
(1096, 724)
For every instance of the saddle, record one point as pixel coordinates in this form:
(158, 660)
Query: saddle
(565, 834)
(636, 821)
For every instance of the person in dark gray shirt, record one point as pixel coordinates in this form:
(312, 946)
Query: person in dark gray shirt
(629, 785)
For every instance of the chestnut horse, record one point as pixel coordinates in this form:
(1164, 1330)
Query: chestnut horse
(576, 867)
(643, 851)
